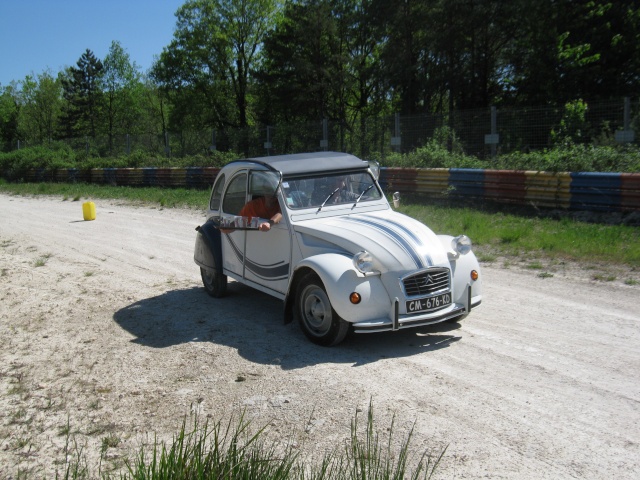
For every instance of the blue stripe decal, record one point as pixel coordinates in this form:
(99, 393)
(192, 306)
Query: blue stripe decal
(404, 229)
(277, 271)
(394, 236)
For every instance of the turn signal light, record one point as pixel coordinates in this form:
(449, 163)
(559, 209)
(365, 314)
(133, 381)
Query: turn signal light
(355, 298)
(474, 275)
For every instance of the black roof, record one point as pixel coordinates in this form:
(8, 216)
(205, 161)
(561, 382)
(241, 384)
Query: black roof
(303, 163)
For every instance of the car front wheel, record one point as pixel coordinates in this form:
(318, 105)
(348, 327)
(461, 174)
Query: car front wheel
(318, 320)
(214, 282)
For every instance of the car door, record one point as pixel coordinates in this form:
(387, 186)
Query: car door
(268, 254)
(235, 196)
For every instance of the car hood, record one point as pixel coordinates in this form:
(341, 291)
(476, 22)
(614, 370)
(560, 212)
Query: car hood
(396, 241)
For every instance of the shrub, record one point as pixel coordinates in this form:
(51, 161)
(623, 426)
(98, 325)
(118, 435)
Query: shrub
(53, 156)
(574, 158)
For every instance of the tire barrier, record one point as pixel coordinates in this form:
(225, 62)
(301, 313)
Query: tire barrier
(605, 192)
(608, 192)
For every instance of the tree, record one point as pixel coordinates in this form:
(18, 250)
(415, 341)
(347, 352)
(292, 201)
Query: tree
(121, 86)
(215, 49)
(41, 101)
(82, 94)
(9, 112)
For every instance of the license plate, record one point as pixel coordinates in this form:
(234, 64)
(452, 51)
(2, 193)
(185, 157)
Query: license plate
(420, 305)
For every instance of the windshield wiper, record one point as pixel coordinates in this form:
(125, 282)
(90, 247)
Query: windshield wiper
(360, 196)
(328, 198)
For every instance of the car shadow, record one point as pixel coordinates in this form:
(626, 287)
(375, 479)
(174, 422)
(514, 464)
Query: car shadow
(252, 322)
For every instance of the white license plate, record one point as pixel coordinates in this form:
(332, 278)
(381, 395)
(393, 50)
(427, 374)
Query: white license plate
(420, 305)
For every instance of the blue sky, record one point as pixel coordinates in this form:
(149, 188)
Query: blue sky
(36, 35)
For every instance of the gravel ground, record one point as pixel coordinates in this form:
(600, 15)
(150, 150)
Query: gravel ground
(107, 340)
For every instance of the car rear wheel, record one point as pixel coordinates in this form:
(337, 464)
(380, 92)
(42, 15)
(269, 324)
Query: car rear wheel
(318, 320)
(214, 282)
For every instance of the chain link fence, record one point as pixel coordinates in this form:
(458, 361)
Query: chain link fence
(482, 133)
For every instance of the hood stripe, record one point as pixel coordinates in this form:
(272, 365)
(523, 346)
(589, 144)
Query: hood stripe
(406, 246)
(404, 229)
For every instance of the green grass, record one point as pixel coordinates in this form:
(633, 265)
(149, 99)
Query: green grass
(235, 450)
(162, 197)
(503, 234)
(493, 233)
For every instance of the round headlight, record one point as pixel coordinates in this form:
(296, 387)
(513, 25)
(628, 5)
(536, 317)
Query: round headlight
(461, 244)
(363, 261)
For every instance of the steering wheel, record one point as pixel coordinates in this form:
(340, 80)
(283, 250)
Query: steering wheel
(299, 199)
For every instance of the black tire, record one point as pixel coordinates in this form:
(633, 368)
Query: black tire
(318, 320)
(214, 282)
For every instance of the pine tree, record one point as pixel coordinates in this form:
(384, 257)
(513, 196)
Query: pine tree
(82, 94)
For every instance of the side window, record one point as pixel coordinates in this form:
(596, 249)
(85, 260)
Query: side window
(236, 195)
(216, 194)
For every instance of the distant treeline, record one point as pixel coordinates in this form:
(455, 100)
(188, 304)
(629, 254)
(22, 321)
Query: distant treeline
(237, 65)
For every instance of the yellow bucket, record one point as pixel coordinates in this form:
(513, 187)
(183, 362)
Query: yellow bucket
(89, 210)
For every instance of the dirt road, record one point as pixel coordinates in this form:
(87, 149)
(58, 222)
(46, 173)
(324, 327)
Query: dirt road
(107, 338)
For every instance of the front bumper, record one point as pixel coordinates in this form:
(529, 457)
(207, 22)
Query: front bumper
(396, 321)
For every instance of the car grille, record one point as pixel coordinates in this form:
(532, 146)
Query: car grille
(427, 282)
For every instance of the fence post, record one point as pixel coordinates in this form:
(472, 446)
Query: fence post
(493, 138)
(213, 141)
(626, 135)
(396, 140)
(267, 144)
(324, 143)
(167, 151)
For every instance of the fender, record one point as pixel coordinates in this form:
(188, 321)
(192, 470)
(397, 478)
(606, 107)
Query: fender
(461, 269)
(208, 249)
(340, 279)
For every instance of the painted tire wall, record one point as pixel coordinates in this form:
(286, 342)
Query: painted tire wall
(577, 191)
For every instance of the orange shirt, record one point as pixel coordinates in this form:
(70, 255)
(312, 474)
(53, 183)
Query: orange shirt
(258, 208)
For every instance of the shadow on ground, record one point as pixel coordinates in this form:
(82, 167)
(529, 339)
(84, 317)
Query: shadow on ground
(252, 323)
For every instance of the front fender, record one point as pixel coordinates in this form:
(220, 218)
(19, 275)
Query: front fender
(461, 267)
(208, 248)
(340, 279)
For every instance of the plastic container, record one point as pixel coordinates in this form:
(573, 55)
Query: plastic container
(89, 210)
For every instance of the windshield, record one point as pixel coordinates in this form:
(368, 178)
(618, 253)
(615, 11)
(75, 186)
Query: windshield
(327, 190)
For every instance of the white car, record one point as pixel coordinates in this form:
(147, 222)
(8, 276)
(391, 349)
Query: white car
(340, 258)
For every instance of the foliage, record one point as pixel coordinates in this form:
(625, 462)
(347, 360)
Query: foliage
(443, 150)
(82, 94)
(236, 450)
(573, 158)
(572, 125)
(234, 64)
(53, 156)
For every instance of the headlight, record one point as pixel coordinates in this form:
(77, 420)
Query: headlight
(363, 261)
(461, 244)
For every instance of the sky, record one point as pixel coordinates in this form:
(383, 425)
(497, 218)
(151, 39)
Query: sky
(41, 35)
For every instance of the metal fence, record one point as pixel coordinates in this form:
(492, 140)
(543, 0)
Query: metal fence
(482, 133)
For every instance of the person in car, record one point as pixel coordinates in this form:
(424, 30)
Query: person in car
(264, 204)
(266, 207)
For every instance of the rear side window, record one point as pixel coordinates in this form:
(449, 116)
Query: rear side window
(216, 194)
(236, 195)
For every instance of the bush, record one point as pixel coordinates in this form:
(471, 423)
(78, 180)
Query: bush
(574, 158)
(51, 157)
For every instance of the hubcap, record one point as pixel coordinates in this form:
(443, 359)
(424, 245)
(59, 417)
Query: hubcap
(316, 310)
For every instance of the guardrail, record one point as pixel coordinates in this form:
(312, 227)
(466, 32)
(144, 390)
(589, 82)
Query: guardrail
(575, 191)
